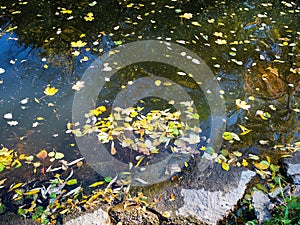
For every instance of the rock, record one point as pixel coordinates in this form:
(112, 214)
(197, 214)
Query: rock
(98, 217)
(211, 206)
(10, 218)
(205, 195)
(292, 169)
(132, 215)
(261, 203)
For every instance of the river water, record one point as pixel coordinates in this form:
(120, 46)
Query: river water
(251, 47)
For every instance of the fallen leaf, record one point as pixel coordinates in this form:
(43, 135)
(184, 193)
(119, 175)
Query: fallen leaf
(225, 166)
(97, 184)
(42, 154)
(50, 91)
(263, 165)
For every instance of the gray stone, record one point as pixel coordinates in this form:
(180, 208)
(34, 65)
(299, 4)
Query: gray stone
(98, 217)
(261, 204)
(292, 168)
(204, 194)
(212, 206)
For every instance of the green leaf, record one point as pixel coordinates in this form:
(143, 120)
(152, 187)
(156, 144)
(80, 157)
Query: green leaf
(108, 179)
(118, 42)
(59, 155)
(2, 167)
(227, 136)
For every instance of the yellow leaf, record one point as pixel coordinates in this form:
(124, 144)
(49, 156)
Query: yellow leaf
(50, 91)
(225, 166)
(15, 186)
(72, 182)
(32, 192)
(2, 181)
(16, 163)
(263, 165)
(196, 24)
(78, 44)
(66, 11)
(186, 16)
(139, 162)
(89, 17)
(244, 130)
(245, 163)
(36, 100)
(97, 184)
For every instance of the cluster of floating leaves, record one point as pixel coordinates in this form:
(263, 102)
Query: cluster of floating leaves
(9, 158)
(56, 196)
(146, 134)
(262, 166)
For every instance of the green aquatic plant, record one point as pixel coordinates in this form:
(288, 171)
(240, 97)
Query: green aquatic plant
(286, 213)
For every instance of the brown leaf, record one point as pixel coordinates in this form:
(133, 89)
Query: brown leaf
(42, 154)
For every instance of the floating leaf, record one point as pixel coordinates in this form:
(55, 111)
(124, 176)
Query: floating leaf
(221, 41)
(66, 11)
(24, 101)
(245, 163)
(225, 166)
(32, 192)
(195, 23)
(8, 116)
(93, 3)
(253, 157)
(186, 16)
(2, 167)
(229, 136)
(97, 184)
(51, 154)
(78, 44)
(59, 155)
(50, 91)
(263, 165)
(108, 179)
(12, 123)
(15, 186)
(42, 154)
(244, 130)
(89, 17)
(242, 104)
(36, 100)
(72, 182)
